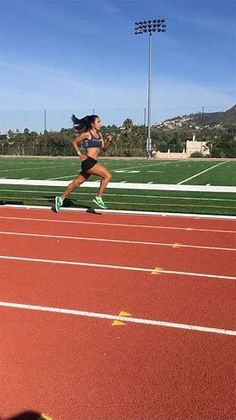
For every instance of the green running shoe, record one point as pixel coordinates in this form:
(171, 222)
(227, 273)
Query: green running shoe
(99, 202)
(57, 203)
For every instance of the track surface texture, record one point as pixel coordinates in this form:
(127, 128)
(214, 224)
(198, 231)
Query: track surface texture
(111, 316)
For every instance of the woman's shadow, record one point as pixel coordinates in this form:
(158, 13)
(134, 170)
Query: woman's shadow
(28, 415)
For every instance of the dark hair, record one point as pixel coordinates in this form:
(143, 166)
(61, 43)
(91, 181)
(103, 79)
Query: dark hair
(83, 123)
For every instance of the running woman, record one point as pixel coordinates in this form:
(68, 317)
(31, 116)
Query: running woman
(94, 143)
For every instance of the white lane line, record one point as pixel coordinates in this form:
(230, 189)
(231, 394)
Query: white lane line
(169, 197)
(128, 186)
(33, 167)
(118, 241)
(116, 267)
(98, 315)
(117, 224)
(145, 165)
(202, 172)
(127, 171)
(63, 177)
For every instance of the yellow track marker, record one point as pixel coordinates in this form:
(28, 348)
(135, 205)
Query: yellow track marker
(176, 245)
(122, 313)
(157, 270)
(44, 417)
(118, 323)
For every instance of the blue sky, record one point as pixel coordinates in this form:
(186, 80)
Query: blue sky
(77, 55)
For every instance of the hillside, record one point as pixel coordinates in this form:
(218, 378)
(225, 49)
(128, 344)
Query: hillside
(217, 118)
(209, 119)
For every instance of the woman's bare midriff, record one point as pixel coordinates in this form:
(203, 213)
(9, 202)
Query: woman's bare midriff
(93, 152)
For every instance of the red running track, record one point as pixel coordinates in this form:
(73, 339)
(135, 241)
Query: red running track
(78, 367)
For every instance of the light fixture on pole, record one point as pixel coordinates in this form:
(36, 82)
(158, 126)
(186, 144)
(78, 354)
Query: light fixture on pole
(142, 27)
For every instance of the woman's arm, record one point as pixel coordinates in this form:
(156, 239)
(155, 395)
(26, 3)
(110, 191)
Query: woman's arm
(76, 142)
(106, 143)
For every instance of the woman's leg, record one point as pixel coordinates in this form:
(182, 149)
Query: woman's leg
(104, 173)
(58, 200)
(74, 184)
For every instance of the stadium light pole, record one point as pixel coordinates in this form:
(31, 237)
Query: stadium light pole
(149, 27)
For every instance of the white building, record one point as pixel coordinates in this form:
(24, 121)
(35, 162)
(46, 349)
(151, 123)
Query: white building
(192, 146)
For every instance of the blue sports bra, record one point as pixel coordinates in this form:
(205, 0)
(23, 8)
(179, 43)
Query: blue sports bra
(93, 142)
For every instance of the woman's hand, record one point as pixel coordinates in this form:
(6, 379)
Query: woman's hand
(82, 156)
(109, 138)
(107, 142)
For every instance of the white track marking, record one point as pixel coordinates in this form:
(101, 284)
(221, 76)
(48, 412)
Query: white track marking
(33, 167)
(98, 315)
(202, 172)
(118, 185)
(118, 241)
(146, 165)
(115, 224)
(169, 197)
(116, 267)
(62, 177)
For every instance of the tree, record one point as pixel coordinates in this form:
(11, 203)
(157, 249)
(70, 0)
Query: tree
(222, 145)
(128, 124)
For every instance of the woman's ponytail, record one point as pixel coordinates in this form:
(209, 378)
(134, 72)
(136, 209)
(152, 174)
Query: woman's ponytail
(83, 123)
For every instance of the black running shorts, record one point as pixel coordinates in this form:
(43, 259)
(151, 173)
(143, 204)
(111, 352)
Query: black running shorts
(87, 164)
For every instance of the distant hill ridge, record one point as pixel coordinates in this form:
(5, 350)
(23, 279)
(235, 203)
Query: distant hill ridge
(211, 119)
